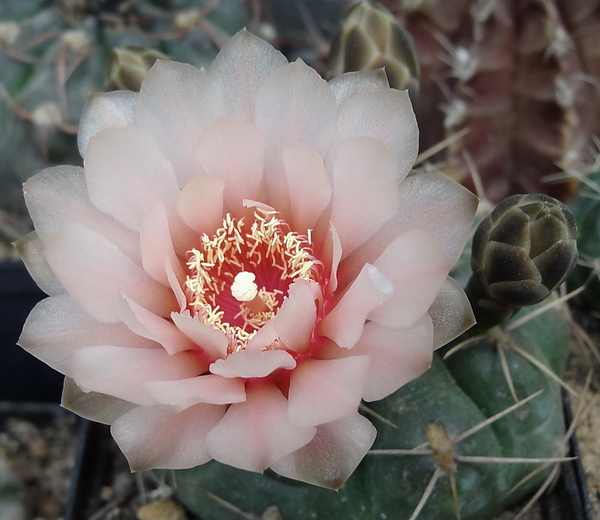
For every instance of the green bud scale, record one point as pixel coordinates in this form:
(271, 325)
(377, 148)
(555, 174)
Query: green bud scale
(369, 38)
(521, 252)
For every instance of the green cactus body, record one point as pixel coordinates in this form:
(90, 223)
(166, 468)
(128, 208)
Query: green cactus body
(456, 395)
(586, 210)
(55, 55)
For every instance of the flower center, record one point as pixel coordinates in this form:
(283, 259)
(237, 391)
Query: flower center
(239, 277)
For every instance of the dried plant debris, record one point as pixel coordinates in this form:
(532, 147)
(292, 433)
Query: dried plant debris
(123, 495)
(585, 361)
(589, 443)
(41, 460)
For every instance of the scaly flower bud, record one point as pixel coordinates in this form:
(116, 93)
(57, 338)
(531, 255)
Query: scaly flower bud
(521, 252)
(369, 37)
(128, 66)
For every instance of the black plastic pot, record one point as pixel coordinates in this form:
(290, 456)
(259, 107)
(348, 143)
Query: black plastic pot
(22, 377)
(570, 499)
(92, 460)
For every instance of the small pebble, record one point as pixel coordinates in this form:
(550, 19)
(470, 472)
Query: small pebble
(272, 513)
(39, 447)
(161, 510)
(106, 493)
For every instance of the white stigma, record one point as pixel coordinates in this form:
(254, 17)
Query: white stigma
(243, 287)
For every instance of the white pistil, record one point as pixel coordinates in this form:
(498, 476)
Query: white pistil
(238, 248)
(243, 287)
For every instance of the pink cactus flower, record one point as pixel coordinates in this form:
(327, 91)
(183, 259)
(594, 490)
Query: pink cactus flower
(241, 260)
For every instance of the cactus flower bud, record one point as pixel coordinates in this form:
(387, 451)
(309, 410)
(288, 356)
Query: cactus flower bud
(369, 37)
(128, 66)
(521, 252)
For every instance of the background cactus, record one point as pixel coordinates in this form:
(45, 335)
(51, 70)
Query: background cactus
(586, 210)
(55, 54)
(369, 38)
(520, 76)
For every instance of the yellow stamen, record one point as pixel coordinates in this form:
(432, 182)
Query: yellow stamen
(229, 262)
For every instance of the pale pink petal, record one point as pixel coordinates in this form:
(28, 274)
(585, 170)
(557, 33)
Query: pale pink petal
(31, 251)
(95, 272)
(149, 325)
(105, 110)
(211, 340)
(387, 115)
(200, 204)
(176, 287)
(451, 313)
(233, 150)
(428, 201)
(331, 256)
(247, 364)
(211, 389)
(326, 390)
(365, 190)
(417, 268)
(333, 454)
(151, 437)
(184, 237)
(345, 322)
(295, 105)
(295, 320)
(250, 61)
(156, 245)
(442, 207)
(256, 433)
(126, 174)
(308, 182)
(122, 372)
(349, 84)
(264, 338)
(93, 406)
(57, 327)
(59, 195)
(397, 355)
(175, 104)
